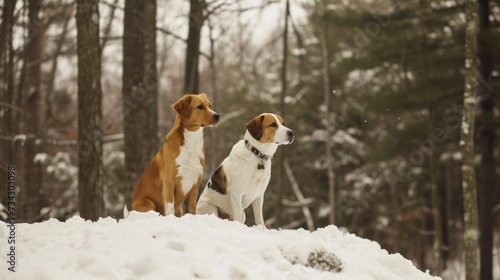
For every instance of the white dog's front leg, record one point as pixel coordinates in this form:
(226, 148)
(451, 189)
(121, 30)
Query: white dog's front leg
(257, 205)
(238, 211)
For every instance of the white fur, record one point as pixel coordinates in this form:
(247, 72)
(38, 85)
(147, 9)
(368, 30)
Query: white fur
(169, 208)
(213, 113)
(188, 161)
(246, 184)
(125, 212)
(281, 136)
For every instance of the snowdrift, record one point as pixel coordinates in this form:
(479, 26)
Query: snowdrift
(148, 246)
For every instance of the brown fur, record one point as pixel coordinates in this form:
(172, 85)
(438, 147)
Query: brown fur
(261, 128)
(218, 181)
(159, 183)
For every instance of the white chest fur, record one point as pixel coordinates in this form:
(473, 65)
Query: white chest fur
(188, 162)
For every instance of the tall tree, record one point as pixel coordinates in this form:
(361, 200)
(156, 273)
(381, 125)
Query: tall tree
(214, 93)
(196, 20)
(150, 79)
(140, 112)
(7, 22)
(487, 143)
(467, 143)
(280, 176)
(437, 246)
(32, 119)
(134, 109)
(90, 184)
(6, 90)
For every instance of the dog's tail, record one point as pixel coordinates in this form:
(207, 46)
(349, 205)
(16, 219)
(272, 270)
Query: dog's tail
(125, 212)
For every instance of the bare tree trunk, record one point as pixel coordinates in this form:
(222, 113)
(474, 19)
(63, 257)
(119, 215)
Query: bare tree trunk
(437, 246)
(213, 81)
(437, 241)
(487, 143)
(328, 125)
(6, 25)
(150, 80)
(18, 116)
(280, 173)
(32, 120)
(467, 144)
(445, 213)
(196, 19)
(90, 184)
(7, 93)
(134, 95)
(140, 89)
(421, 225)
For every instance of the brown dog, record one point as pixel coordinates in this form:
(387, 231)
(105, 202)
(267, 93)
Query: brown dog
(176, 171)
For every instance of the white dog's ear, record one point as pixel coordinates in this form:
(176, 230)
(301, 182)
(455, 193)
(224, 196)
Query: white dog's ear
(254, 126)
(183, 106)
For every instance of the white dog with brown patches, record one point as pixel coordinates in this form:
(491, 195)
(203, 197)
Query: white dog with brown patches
(242, 177)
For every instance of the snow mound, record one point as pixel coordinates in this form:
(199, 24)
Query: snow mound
(148, 246)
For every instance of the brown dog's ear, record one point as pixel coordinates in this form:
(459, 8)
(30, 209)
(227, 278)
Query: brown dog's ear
(255, 127)
(183, 106)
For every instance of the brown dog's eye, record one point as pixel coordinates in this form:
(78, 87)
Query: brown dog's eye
(200, 107)
(274, 124)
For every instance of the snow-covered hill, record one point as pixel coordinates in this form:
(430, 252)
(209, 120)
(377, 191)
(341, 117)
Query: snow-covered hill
(147, 246)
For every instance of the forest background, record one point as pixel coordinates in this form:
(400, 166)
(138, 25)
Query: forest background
(373, 89)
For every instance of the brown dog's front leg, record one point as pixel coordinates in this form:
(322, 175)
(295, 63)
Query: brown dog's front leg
(178, 211)
(168, 193)
(193, 197)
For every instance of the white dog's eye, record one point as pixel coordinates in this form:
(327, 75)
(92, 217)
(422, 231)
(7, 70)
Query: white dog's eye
(200, 107)
(274, 124)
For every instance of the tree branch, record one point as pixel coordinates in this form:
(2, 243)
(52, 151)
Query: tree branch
(302, 200)
(178, 37)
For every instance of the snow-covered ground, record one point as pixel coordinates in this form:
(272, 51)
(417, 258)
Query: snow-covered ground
(148, 246)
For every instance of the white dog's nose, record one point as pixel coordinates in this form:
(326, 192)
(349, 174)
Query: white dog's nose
(291, 135)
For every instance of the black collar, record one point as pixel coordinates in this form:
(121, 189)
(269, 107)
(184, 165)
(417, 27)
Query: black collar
(260, 155)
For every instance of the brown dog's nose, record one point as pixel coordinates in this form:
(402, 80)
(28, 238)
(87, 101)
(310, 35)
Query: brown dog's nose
(216, 117)
(291, 135)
